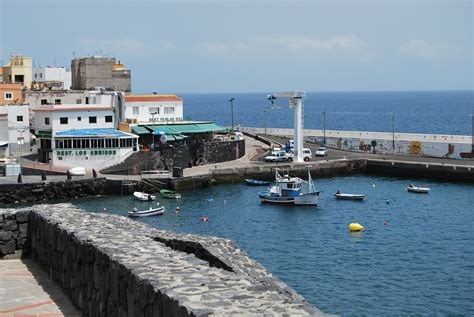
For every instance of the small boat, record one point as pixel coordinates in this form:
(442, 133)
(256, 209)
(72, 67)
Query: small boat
(146, 213)
(342, 196)
(415, 189)
(287, 191)
(77, 171)
(144, 196)
(256, 182)
(170, 194)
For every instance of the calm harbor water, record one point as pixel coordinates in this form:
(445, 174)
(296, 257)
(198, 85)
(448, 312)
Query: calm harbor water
(416, 256)
(436, 112)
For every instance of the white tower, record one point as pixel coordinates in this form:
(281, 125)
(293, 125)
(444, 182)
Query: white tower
(296, 102)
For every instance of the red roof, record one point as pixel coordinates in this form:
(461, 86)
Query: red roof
(152, 98)
(73, 109)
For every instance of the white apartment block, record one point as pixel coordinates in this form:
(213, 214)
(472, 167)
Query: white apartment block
(53, 75)
(153, 108)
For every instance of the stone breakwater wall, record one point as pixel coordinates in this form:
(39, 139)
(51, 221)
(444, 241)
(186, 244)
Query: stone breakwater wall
(13, 231)
(42, 191)
(110, 265)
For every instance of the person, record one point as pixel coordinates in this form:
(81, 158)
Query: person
(338, 192)
(135, 209)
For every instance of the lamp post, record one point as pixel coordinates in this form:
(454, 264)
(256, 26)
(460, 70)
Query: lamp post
(153, 133)
(324, 127)
(231, 100)
(21, 141)
(265, 112)
(393, 132)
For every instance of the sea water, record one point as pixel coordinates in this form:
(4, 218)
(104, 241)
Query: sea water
(433, 112)
(415, 257)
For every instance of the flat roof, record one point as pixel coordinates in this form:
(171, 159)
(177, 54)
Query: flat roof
(138, 98)
(108, 132)
(74, 109)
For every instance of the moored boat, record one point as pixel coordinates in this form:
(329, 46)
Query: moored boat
(146, 213)
(256, 182)
(170, 194)
(343, 196)
(143, 196)
(287, 191)
(416, 189)
(77, 171)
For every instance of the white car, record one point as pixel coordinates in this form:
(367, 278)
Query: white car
(321, 151)
(306, 155)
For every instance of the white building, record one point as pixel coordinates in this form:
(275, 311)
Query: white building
(14, 130)
(84, 135)
(52, 75)
(153, 108)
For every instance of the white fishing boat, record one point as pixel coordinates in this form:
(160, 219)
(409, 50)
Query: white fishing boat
(343, 196)
(148, 212)
(287, 191)
(144, 196)
(416, 189)
(77, 171)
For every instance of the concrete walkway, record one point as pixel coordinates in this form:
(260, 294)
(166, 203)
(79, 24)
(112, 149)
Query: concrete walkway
(25, 290)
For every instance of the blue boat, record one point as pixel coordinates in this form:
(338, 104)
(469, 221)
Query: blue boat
(255, 182)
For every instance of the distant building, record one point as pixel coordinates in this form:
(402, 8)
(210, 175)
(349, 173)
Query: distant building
(10, 94)
(153, 108)
(92, 72)
(58, 78)
(14, 130)
(1, 74)
(18, 70)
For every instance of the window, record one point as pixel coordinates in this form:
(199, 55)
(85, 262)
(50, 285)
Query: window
(79, 119)
(46, 121)
(153, 110)
(108, 119)
(36, 75)
(19, 118)
(19, 79)
(92, 119)
(8, 96)
(78, 101)
(169, 110)
(57, 101)
(44, 101)
(87, 100)
(63, 120)
(135, 111)
(41, 75)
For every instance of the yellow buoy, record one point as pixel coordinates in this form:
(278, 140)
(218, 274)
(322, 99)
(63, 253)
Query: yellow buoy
(356, 227)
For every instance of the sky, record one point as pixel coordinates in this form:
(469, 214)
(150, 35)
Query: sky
(254, 46)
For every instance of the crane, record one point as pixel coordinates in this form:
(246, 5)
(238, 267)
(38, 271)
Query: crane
(295, 102)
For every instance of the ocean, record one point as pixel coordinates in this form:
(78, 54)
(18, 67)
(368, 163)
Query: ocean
(431, 112)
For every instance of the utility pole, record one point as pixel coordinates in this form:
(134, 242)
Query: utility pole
(231, 100)
(21, 141)
(393, 132)
(265, 112)
(324, 127)
(153, 133)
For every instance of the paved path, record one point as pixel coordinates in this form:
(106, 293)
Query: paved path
(25, 290)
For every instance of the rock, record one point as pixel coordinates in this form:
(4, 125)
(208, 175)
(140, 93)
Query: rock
(8, 225)
(8, 248)
(5, 236)
(22, 216)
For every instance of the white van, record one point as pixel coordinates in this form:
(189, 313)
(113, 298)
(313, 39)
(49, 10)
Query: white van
(306, 155)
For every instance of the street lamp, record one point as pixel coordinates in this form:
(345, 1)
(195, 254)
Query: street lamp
(153, 134)
(231, 100)
(324, 127)
(21, 141)
(265, 112)
(393, 132)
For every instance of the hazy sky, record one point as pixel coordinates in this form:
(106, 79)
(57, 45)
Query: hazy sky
(246, 46)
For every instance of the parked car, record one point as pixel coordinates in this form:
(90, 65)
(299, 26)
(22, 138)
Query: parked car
(280, 156)
(306, 155)
(321, 151)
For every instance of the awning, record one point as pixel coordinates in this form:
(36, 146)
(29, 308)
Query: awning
(140, 130)
(3, 144)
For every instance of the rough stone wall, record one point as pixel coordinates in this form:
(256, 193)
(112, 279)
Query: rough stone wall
(13, 231)
(35, 192)
(109, 265)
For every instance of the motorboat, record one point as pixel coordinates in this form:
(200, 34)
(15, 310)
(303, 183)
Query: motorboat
(148, 212)
(144, 196)
(77, 171)
(287, 191)
(343, 196)
(170, 194)
(416, 189)
(256, 182)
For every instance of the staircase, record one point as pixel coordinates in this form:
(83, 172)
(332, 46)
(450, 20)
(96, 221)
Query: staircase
(135, 163)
